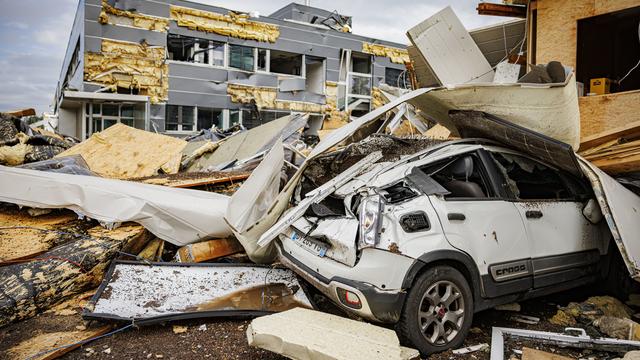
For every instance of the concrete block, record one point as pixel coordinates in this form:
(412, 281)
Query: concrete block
(307, 334)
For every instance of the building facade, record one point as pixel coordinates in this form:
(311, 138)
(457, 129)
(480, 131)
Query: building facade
(176, 67)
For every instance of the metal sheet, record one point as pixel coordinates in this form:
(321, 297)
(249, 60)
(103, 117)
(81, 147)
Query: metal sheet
(581, 341)
(150, 293)
(179, 216)
(476, 124)
(316, 196)
(550, 109)
(620, 208)
(449, 50)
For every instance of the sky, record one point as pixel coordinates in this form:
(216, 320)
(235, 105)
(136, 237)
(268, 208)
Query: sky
(34, 35)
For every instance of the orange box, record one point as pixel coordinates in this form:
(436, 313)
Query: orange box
(600, 86)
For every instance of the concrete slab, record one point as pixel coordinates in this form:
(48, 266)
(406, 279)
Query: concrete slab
(308, 334)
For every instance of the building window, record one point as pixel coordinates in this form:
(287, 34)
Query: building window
(195, 50)
(179, 118)
(360, 63)
(270, 115)
(314, 74)
(101, 116)
(262, 60)
(209, 117)
(241, 57)
(608, 52)
(395, 77)
(282, 62)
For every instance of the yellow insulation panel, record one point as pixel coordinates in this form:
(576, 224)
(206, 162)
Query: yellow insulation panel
(377, 98)
(264, 97)
(232, 24)
(396, 55)
(130, 66)
(114, 16)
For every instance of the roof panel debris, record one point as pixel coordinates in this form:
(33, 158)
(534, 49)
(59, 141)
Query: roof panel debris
(438, 204)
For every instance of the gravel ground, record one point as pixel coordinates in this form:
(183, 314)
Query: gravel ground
(226, 339)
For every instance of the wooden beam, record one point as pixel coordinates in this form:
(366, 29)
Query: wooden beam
(502, 10)
(629, 131)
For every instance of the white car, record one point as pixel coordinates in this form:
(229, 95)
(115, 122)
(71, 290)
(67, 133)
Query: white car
(456, 228)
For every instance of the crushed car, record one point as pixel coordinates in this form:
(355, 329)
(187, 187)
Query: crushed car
(423, 233)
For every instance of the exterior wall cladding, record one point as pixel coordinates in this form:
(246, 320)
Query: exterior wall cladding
(197, 89)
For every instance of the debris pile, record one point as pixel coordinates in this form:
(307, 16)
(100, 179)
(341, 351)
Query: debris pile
(262, 222)
(20, 144)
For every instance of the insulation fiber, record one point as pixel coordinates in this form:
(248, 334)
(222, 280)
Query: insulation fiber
(234, 25)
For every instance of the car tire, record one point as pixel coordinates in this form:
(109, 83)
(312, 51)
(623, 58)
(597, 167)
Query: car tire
(438, 311)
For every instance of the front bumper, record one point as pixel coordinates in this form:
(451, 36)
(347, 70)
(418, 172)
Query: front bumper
(380, 305)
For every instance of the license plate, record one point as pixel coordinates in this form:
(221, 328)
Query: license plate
(311, 246)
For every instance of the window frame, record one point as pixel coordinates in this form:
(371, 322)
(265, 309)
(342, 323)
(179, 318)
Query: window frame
(210, 53)
(562, 175)
(485, 172)
(179, 129)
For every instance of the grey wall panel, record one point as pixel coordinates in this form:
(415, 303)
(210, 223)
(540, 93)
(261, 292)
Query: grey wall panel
(302, 96)
(123, 33)
(145, 7)
(253, 79)
(92, 12)
(197, 86)
(332, 75)
(75, 37)
(333, 63)
(93, 2)
(92, 44)
(192, 99)
(208, 73)
(91, 87)
(181, 30)
(199, 6)
(291, 84)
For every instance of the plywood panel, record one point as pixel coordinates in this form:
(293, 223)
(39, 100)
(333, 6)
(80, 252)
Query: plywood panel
(557, 25)
(607, 112)
(123, 152)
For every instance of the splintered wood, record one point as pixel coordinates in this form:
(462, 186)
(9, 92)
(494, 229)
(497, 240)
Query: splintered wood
(77, 265)
(23, 236)
(615, 151)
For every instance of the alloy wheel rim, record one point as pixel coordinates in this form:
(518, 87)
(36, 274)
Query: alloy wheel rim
(441, 313)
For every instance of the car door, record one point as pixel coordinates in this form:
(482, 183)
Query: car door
(477, 219)
(564, 244)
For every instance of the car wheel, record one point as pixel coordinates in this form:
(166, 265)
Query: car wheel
(438, 311)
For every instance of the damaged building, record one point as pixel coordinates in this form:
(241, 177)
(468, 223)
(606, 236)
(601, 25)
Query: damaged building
(178, 67)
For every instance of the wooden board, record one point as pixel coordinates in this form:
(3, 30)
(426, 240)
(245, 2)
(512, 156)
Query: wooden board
(188, 180)
(532, 354)
(123, 152)
(557, 26)
(49, 340)
(603, 113)
(628, 131)
(63, 272)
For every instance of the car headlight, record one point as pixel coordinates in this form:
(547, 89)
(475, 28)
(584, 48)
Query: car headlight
(370, 222)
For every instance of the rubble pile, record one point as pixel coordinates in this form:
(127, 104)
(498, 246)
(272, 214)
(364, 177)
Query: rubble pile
(19, 144)
(438, 204)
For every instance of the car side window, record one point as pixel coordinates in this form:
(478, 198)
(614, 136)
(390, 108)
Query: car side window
(527, 179)
(463, 176)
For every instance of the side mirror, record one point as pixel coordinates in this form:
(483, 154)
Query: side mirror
(592, 211)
